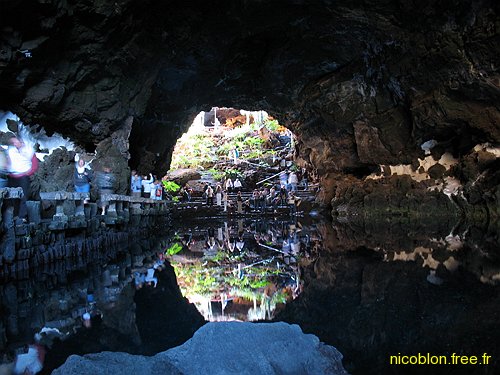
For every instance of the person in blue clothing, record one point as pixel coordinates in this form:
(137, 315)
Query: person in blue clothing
(135, 184)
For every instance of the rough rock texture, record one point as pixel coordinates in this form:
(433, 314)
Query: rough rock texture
(223, 348)
(360, 82)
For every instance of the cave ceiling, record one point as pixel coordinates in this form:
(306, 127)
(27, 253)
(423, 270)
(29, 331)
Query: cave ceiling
(360, 82)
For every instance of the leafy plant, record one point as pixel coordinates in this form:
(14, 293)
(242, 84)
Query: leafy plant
(171, 187)
(217, 174)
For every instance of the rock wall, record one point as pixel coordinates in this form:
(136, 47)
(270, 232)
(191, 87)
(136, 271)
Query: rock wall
(361, 83)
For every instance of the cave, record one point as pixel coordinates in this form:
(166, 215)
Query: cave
(395, 110)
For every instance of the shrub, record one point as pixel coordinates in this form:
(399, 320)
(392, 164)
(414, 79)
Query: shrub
(171, 187)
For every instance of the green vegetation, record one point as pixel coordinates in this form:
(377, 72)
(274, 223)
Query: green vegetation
(202, 150)
(174, 249)
(171, 187)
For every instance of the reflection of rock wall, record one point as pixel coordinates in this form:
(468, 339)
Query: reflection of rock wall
(372, 309)
(57, 295)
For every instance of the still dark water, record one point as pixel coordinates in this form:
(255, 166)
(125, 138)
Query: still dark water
(372, 290)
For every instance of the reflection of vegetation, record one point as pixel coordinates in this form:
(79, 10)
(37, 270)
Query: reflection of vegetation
(174, 249)
(212, 278)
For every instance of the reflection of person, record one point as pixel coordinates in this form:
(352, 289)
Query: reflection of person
(30, 362)
(23, 164)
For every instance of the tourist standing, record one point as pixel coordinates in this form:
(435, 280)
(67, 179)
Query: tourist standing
(229, 184)
(158, 191)
(105, 182)
(23, 164)
(305, 178)
(210, 196)
(81, 177)
(146, 185)
(224, 199)
(284, 178)
(237, 184)
(239, 201)
(283, 195)
(293, 181)
(218, 194)
(235, 154)
(4, 166)
(135, 184)
(186, 193)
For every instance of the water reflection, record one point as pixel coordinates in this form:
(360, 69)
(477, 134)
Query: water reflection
(241, 269)
(88, 305)
(381, 288)
(370, 289)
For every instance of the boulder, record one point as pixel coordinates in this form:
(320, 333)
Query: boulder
(223, 348)
(181, 176)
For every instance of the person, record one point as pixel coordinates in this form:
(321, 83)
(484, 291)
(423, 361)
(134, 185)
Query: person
(146, 185)
(283, 195)
(23, 164)
(293, 203)
(224, 199)
(255, 199)
(262, 199)
(284, 178)
(210, 196)
(81, 177)
(105, 181)
(87, 322)
(4, 166)
(30, 362)
(235, 155)
(239, 201)
(158, 191)
(237, 184)
(218, 194)
(305, 178)
(135, 184)
(150, 277)
(229, 184)
(186, 193)
(293, 181)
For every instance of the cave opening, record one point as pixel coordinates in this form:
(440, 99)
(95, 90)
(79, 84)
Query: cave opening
(228, 143)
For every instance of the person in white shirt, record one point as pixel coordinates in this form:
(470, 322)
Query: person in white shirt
(22, 165)
(237, 184)
(229, 184)
(293, 181)
(146, 185)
